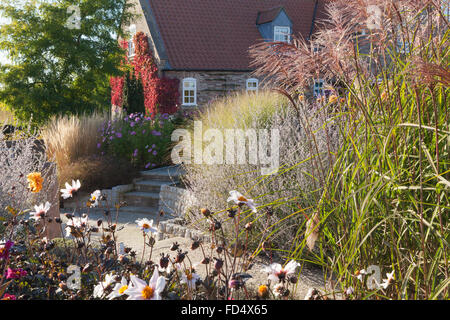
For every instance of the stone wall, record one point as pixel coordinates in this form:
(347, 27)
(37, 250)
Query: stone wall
(175, 201)
(211, 84)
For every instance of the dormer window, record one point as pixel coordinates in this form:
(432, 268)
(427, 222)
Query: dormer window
(252, 85)
(131, 48)
(282, 34)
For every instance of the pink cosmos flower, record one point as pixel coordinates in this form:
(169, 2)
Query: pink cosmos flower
(4, 249)
(15, 273)
(8, 296)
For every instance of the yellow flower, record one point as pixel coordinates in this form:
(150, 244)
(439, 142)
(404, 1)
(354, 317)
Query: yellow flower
(301, 98)
(332, 99)
(35, 182)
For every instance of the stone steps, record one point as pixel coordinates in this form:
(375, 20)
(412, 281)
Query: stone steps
(144, 198)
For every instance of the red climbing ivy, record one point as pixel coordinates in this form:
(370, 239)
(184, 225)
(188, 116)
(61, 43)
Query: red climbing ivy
(161, 94)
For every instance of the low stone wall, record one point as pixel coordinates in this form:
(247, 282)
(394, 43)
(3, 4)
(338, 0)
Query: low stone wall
(176, 228)
(113, 196)
(174, 200)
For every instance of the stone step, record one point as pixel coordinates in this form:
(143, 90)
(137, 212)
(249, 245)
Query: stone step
(171, 173)
(151, 211)
(142, 199)
(150, 185)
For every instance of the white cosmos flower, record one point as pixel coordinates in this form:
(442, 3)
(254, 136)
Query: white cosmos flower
(190, 278)
(387, 282)
(40, 211)
(143, 291)
(278, 273)
(360, 274)
(239, 199)
(76, 222)
(94, 198)
(70, 189)
(278, 290)
(119, 289)
(99, 289)
(146, 225)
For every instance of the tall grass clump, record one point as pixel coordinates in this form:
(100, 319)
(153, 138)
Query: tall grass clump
(278, 195)
(380, 225)
(73, 143)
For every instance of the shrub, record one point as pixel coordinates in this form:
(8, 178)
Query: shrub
(294, 185)
(139, 139)
(19, 157)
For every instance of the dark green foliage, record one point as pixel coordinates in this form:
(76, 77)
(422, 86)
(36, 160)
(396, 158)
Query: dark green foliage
(133, 94)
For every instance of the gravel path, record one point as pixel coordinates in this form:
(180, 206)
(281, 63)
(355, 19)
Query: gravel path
(131, 236)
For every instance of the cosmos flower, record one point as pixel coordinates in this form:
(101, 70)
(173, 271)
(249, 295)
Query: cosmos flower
(40, 211)
(278, 273)
(35, 182)
(140, 290)
(99, 289)
(8, 296)
(119, 289)
(190, 278)
(70, 189)
(15, 273)
(146, 225)
(76, 223)
(387, 282)
(95, 196)
(239, 199)
(5, 248)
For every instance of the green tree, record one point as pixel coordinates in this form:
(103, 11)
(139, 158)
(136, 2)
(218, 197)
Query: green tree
(58, 67)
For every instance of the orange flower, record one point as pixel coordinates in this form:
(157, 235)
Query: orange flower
(35, 182)
(332, 99)
(263, 291)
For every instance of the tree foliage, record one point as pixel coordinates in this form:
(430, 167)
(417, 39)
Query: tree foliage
(57, 69)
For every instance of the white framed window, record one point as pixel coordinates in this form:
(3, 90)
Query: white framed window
(318, 87)
(189, 92)
(252, 84)
(282, 34)
(131, 48)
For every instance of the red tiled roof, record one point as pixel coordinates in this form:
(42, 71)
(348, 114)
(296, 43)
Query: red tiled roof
(216, 34)
(268, 15)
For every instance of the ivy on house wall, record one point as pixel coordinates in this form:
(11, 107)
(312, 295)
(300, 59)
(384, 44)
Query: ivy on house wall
(160, 94)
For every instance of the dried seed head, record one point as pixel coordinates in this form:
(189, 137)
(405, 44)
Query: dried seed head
(195, 244)
(180, 256)
(164, 261)
(232, 213)
(175, 246)
(206, 260)
(219, 264)
(205, 212)
(248, 226)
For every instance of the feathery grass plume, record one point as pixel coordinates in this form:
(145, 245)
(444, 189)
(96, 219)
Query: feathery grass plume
(383, 201)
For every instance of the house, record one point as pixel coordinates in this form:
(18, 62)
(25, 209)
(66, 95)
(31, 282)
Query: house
(205, 43)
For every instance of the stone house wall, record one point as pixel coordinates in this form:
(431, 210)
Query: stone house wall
(211, 84)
